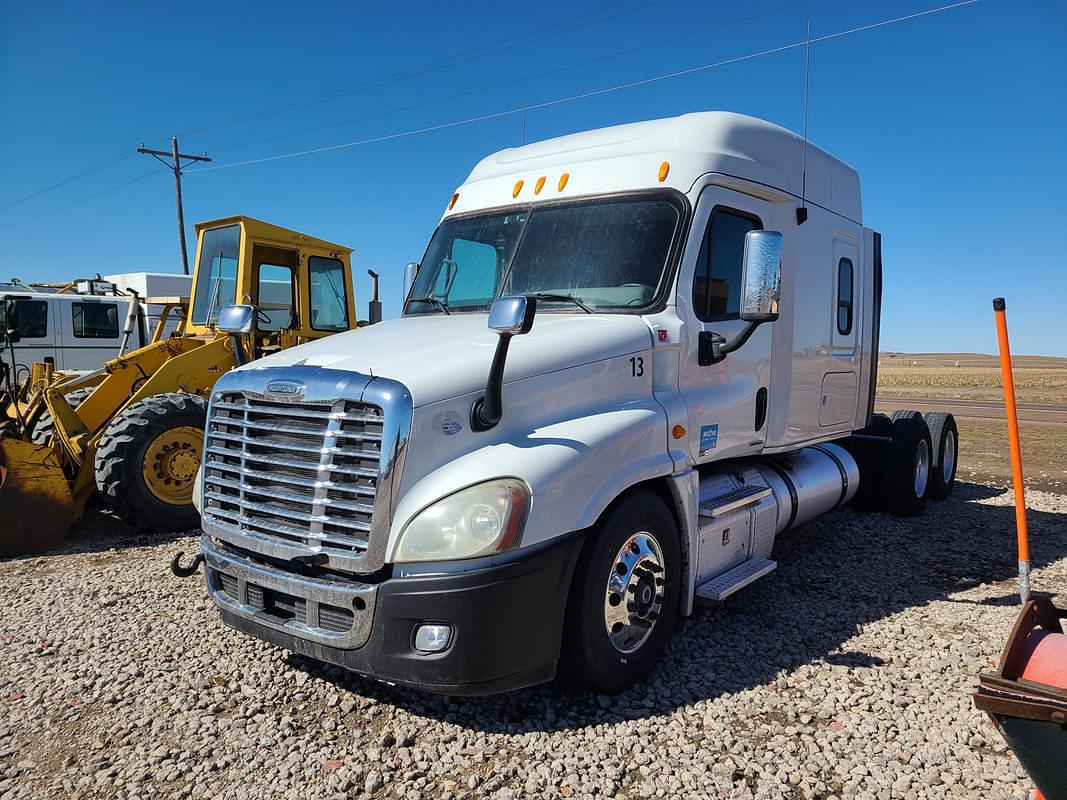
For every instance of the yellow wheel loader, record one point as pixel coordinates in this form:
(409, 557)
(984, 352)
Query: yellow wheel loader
(133, 431)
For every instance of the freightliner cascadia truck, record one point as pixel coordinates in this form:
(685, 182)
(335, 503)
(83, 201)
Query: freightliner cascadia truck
(629, 359)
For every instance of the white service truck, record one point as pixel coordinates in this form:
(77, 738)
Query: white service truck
(83, 324)
(629, 360)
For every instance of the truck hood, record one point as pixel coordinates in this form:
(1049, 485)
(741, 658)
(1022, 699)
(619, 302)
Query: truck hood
(438, 356)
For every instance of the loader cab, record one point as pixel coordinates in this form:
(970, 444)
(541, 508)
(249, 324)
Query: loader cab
(301, 286)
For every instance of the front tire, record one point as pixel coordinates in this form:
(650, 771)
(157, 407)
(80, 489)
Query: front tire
(624, 598)
(147, 460)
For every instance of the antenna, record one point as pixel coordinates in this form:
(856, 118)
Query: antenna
(802, 212)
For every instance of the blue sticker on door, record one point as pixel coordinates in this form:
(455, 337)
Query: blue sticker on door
(709, 437)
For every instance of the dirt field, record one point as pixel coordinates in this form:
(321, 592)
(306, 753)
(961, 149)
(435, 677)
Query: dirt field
(984, 454)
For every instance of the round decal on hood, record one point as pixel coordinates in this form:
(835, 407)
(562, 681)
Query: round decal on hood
(448, 422)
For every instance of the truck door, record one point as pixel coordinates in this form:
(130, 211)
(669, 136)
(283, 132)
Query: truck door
(727, 401)
(91, 331)
(841, 381)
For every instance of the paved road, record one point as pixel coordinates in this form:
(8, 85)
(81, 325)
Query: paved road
(1034, 412)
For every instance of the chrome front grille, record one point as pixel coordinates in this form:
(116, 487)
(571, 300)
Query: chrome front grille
(303, 475)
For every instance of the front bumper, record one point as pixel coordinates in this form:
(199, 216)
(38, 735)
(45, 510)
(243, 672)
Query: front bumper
(507, 619)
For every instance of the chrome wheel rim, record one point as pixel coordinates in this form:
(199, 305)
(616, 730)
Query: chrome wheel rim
(633, 598)
(922, 468)
(948, 457)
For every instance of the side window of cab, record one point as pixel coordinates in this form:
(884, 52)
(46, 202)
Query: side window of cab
(717, 281)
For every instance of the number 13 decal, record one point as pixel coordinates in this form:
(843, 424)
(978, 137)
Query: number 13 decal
(637, 366)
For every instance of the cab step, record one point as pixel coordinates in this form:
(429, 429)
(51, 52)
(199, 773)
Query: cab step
(719, 588)
(744, 495)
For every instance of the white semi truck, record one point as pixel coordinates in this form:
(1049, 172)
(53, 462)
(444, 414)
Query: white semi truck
(629, 360)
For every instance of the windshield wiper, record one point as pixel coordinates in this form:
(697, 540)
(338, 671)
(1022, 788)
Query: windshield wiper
(565, 297)
(433, 301)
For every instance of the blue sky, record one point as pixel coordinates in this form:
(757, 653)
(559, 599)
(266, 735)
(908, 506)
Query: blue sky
(955, 122)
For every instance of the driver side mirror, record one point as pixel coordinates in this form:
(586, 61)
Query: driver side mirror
(237, 319)
(11, 321)
(761, 279)
(761, 295)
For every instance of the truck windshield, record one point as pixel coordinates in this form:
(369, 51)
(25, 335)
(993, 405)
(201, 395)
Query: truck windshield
(216, 274)
(607, 253)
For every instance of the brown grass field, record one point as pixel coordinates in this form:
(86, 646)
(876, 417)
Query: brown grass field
(984, 453)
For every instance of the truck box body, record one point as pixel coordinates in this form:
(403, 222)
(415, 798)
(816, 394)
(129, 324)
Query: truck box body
(303, 543)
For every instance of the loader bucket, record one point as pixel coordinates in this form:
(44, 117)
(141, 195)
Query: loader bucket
(36, 507)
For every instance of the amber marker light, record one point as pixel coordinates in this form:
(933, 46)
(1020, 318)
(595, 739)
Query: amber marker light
(517, 189)
(563, 180)
(539, 185)
(452, 202)
(664, 168)
(678, 431)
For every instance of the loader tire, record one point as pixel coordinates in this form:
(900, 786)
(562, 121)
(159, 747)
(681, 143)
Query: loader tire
(908, 467)
(147, 460)
(945, 438)
(46, 426)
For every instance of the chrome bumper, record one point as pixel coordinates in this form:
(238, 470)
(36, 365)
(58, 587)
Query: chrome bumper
(289, 603)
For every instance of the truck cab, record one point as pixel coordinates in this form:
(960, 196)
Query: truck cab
(629, 359)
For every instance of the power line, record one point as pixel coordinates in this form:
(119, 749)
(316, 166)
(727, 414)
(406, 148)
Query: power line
(545, 104)
(595, 92)
(87, 171)
(513, 81)
(430, 66)
(410, 72)
(81, 199)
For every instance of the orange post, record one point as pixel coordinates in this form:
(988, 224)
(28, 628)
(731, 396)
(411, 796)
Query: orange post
(1008, 380)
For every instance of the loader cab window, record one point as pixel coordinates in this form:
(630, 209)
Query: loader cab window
(31, 318)
(216, 274)
(329, 299)
(95, 320)
(717, 283)
(274, 293)
(844, 297)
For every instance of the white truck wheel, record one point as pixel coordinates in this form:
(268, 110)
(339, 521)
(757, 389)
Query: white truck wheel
(624, 597)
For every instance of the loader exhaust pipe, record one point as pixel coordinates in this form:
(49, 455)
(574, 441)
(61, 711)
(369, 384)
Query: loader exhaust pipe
(374, 312)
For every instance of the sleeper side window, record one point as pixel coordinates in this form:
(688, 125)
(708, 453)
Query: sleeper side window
(95, 320)
(844, 297)
(717, 282)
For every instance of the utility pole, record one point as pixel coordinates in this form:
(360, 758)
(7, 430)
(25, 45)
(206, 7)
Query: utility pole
(176, 166)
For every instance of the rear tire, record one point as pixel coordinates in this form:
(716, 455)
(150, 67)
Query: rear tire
(147, 460)
(945, 438)
(623, 600)
(908, 466)
(46, 426)
(903, 413)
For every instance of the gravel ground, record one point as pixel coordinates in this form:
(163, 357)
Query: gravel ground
(845, 673)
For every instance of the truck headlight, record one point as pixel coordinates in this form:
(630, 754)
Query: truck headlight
(482, 519)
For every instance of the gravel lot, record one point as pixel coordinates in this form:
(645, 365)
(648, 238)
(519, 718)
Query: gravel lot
(845, 673)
